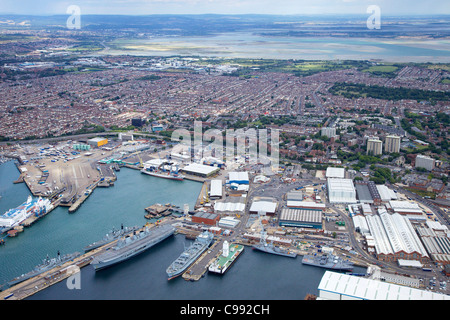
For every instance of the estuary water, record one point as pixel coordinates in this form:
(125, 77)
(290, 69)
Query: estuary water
(254, 276)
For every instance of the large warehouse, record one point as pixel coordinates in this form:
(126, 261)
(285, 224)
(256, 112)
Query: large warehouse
(239, 177)
(395, 238)
(303, 218)
(341, 190)
(339, 286)
(200, 170)
(216, 189)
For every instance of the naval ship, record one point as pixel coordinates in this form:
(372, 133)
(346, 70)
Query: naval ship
(328, 261)
(109, 237)
(46, 265)
(271, 248)
(130, 246)
(189, 255)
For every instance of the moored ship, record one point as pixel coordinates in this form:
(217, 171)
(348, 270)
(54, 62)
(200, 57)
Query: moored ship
(46, 265)
(189, 255)
(228, 256)
(130, 246)
(114, 234)
(162, 169)
(16, 216)
(271, 248)
(328, 261)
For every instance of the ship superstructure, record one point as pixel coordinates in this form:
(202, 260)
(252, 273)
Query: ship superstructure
(328, 261)
(230, 252)
(189, 255)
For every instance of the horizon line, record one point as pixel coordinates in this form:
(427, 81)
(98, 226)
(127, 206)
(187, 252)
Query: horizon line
(229, 14)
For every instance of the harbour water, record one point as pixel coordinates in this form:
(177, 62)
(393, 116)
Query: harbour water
(255, 275)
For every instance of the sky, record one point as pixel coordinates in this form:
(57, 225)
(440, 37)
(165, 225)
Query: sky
(147, 7)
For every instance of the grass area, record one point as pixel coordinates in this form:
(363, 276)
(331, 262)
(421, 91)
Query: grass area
(423, 193)
(389, 71)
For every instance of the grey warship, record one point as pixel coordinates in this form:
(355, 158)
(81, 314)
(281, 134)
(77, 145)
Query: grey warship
(271, 248)
(114, 234)
(328, 261)
(189, 255)
(128, 247)
(47, 264)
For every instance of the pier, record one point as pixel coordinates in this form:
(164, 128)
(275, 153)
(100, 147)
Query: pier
(200, 266)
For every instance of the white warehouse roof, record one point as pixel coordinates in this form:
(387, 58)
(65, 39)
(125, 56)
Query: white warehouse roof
(336, 286)
(335, 172)
(341, 190)
(404, 206)
(386, 194)
(216, 188)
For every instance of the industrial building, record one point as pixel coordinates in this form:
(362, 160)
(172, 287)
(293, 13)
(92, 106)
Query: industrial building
(394, 238)
(200, 170)
(436, 241)
(333, 172)
(341, 190)
(385, 193)
(232, 205)
(363, 193)
(340, 286)
(264, 207)
(294, 196)
(305, 205)
(303, 218)
(404, 207)
(215, 191)
(228, 222)
(367, 192)
(238, 177)
(97, 142)
(206, 218)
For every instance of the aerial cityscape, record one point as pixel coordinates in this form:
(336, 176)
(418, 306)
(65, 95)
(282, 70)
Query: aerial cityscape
(220, 153)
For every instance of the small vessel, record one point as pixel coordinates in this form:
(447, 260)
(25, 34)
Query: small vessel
(132, 245)
(228, 256)
(47, 264)
(189, 255)
(114, 234)
(328, 261)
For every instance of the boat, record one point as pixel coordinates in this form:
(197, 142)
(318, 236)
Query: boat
(16, 216)
(114, 234)
(162, 169)
(328, 261)
(132, 245)
(161, 174)
(46, 265)
(228, 256)
(190, 255)
(269, 247)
